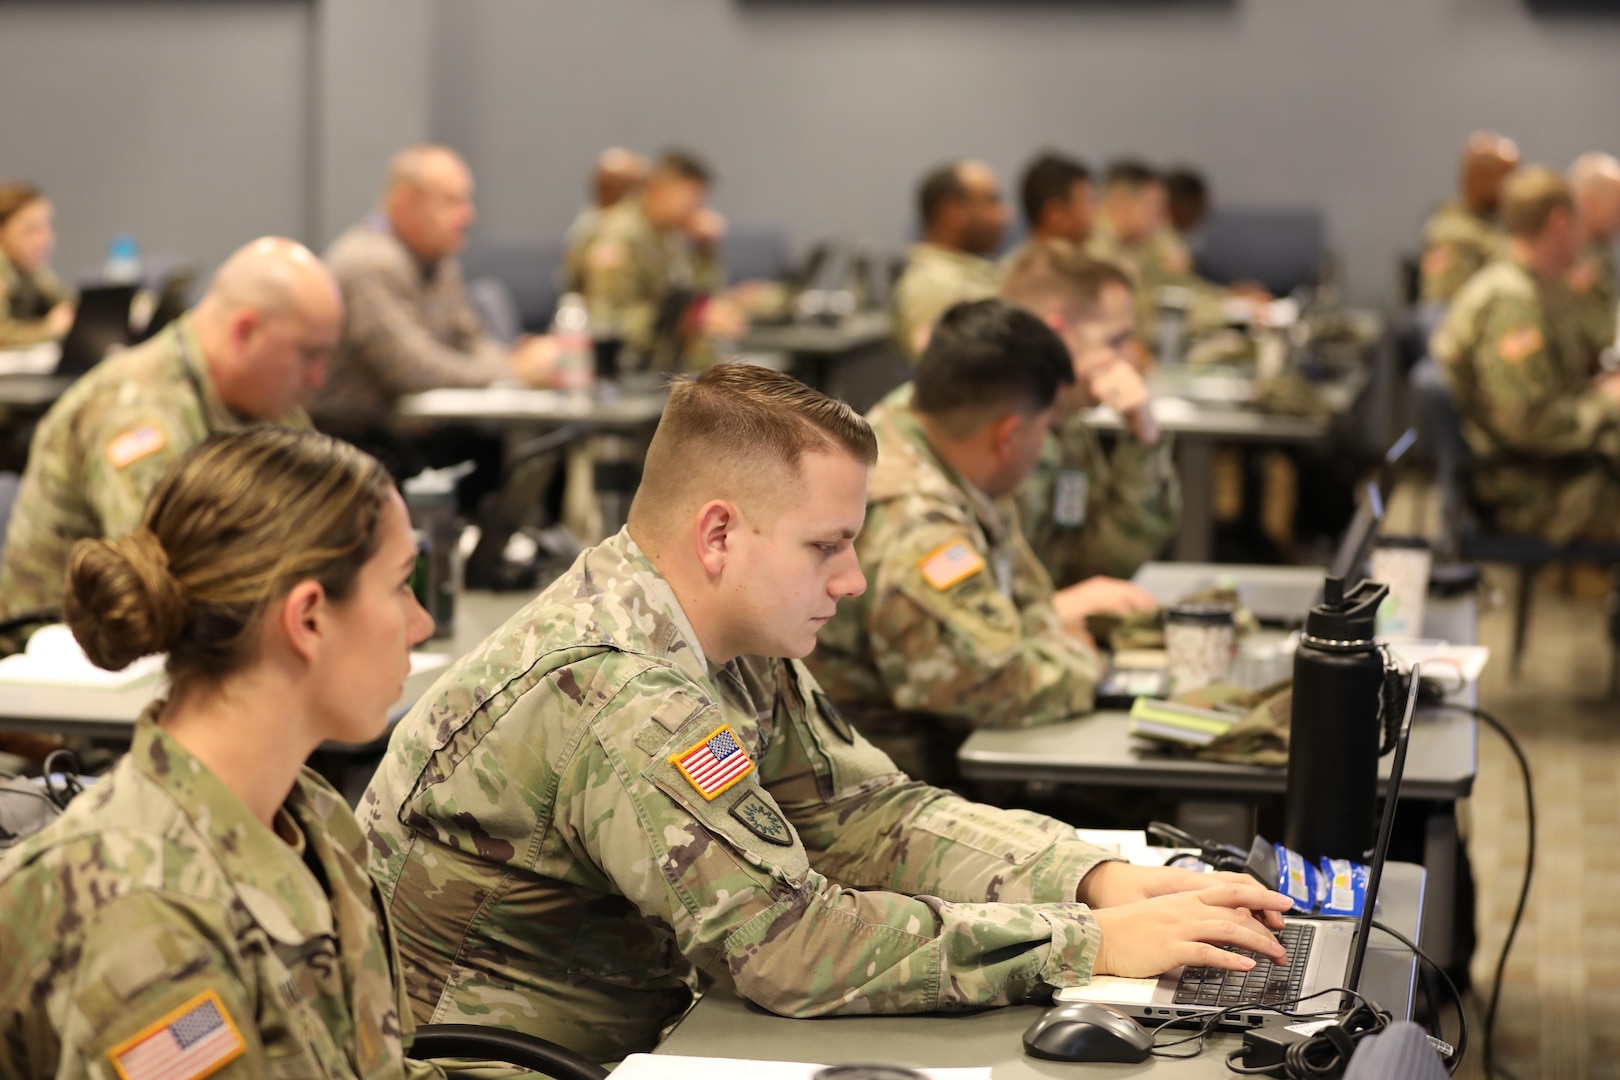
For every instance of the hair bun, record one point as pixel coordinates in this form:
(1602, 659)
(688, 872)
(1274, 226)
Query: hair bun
(122, 602)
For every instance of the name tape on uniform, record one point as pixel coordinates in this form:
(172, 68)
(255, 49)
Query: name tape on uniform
(716, 763)
(950, 564)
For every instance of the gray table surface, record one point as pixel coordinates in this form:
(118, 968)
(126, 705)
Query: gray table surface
(527, 406)
(33, 392)
(1099, 749)
(721, 1025)
(853, 333)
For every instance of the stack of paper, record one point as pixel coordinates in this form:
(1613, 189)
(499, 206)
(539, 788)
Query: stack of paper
(53, 658)
(1173, 722)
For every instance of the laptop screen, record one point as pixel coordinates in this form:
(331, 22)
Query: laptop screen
(1386, 828)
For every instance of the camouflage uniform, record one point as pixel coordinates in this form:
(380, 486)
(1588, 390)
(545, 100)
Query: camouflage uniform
(406, 327)
(1457, 243)
(1546, 442)
(937, 278)
(956, 629)
(99, 452)
(1594, 284)
(1086, 511)
(25, 300)
(551, 868)
(158, 898)
(630, 274)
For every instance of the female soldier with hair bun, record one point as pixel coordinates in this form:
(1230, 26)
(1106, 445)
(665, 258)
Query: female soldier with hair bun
(34, 305)
(204, 910)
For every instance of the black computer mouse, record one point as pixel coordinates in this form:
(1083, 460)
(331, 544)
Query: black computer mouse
(1084, 1031)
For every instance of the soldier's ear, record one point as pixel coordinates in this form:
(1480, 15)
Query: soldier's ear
(300, 619)
(715, 524)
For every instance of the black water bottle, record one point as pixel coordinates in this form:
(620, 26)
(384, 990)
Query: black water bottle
(1330, 808)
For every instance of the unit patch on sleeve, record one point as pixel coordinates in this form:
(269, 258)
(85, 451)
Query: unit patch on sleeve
(762, 819)
(716, 763)
(835, 719)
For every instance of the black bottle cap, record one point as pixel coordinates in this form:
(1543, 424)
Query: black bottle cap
(1342, 619)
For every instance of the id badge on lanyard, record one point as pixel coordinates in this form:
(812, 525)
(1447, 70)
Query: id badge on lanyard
(1069, 494)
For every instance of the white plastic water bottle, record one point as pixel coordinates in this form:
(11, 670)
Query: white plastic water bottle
(123, 265)
(576, 355)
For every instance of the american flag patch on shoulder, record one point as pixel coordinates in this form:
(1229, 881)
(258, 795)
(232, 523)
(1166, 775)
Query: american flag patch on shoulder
(716, 763)
(949, 564)
(195, 1040)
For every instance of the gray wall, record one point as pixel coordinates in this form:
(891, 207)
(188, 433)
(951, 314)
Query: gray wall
(199, 124)
(822, 114)
(186, 124)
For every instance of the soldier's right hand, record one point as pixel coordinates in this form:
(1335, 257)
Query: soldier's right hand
(534, 360)
(1099, 596)
(1148, 938)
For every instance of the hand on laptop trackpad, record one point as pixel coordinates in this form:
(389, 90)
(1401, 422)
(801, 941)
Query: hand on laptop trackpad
(1110, 990)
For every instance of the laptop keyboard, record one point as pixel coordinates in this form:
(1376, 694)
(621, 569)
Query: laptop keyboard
(1263, 984)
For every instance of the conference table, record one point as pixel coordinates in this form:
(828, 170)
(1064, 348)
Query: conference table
(724, 1026)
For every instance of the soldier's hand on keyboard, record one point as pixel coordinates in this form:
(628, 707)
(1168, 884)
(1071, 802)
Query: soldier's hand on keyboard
(1149, 937)
(1111, 884)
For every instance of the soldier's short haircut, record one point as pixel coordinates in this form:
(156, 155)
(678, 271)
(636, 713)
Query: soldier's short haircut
(984, 359)
(1186, 184)
(1529, 198)
(1055, 276)
(1049, 177)
(233, 525)
(686, 165)
(1131, 173)
(16, 194)
(740, 419)
(940, 185)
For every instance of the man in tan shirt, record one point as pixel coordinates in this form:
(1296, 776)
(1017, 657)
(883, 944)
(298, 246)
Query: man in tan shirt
(408, 326)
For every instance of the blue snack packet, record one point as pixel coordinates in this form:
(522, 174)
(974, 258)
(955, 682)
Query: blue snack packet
(1341, 888)
(1296, 878)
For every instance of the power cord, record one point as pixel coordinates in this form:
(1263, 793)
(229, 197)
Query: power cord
(1492, 1066)
(1317, 1056)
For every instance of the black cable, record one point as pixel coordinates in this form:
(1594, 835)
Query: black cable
(1491, 1066)
(1456, 996)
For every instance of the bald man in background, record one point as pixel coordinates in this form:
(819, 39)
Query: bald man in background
(251, 351)
(1463, 235)
(1595, 181)
(409, 326)
(964, 218)
(618, 173)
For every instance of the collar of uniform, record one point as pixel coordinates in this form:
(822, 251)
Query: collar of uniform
(220, 417)
(272, 881)
(9, 274)
(965, 260)
(666, 632)
(902, 478)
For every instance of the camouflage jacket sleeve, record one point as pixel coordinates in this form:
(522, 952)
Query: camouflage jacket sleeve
(385, 328)
(620, 292)
(1592, 287)
(967, 650)
(735, 888)
(1450, 257)
(1130, 503)
(1517, 391)
(140, 959)
(127, 450)
(849, 805)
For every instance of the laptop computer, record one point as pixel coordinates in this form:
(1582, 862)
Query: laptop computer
(100, 324)
(1323, 954)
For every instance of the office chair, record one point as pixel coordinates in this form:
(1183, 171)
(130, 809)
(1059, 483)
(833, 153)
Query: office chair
(531, 270)
(1280, 248)
(1466, 533)
(503, 1045)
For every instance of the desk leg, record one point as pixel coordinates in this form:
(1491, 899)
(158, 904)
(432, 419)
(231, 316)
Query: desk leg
(1440, 844)
(1195, 460)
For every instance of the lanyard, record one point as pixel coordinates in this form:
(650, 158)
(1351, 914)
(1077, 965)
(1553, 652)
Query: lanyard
(191, 374)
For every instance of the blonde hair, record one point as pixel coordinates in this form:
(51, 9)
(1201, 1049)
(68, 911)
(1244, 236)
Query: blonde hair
(739, 419)
(1529, 198)
(1050, 276)
(233, 525)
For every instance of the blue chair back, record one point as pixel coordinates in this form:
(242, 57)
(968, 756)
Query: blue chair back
(530, 270)
(1282, 249)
